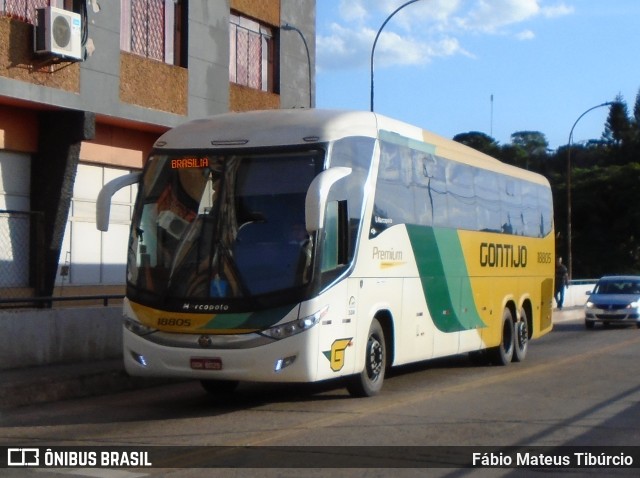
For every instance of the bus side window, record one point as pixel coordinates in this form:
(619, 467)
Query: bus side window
(336, 236)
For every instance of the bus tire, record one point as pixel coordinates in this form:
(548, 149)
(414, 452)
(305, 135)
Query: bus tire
(219, 388)
(369, 382)
(503, 353)
(521, 337)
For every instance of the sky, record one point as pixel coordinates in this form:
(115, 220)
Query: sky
(492, 66)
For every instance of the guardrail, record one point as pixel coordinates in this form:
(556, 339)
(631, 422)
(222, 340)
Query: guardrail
(48, 301)
(576, 294)
(583, 281)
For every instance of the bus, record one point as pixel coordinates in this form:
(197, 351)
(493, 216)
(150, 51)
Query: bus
(308, 245)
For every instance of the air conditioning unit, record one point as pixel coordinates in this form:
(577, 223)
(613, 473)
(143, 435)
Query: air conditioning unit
(59, 33)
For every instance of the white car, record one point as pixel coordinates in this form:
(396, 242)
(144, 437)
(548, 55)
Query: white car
(614, 300)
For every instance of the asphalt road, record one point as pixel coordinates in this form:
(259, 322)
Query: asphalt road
(576, 388)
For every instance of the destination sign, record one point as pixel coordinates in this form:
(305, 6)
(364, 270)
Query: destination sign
(185, 163)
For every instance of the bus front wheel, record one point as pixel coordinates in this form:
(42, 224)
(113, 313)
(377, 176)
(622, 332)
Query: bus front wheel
(503, 353)
(369, 382)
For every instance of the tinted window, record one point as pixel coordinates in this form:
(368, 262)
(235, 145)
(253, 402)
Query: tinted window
(418, 187)
(355, 153)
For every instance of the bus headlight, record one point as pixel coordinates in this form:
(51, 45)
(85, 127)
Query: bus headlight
(282, 331)
(136, 327)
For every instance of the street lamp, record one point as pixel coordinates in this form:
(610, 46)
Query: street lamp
(569, 254)
(287, 27)
(376, 41)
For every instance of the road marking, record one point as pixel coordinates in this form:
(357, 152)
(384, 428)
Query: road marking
(369, 406)
(393, 401)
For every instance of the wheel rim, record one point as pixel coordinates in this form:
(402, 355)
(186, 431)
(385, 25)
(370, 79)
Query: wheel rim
(376, 358)
(521, 334)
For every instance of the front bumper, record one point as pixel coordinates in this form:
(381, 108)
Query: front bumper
(620, 316)
(287, 360)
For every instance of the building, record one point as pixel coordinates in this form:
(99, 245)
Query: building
(85, 93)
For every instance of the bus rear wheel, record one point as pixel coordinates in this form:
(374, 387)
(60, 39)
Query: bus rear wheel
(521, 337)
(369, 382)
(503, 353)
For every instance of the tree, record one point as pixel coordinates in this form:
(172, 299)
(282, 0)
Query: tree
(480, 141)
(635, 122)
(636, 111)
(617, 129)
(526, 150)
(533, 142)
(606, 225)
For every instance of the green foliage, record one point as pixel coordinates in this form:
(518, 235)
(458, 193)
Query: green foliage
(636, 111)
(534, 143)
(618, 127)
(480, 141)
(606, 220)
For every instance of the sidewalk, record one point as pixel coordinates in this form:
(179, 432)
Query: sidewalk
(568, 313)
(29, 386)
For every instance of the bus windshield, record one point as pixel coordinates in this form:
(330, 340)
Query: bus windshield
(223, 226)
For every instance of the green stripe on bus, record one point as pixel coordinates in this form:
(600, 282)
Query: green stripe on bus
(443, 275)
(248, 320)
(398, 139)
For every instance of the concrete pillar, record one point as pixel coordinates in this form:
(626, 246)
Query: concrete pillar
(53, 173)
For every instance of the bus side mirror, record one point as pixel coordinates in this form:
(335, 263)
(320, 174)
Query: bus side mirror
(317, 194)
(103, 203)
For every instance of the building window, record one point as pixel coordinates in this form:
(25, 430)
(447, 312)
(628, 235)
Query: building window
(251, 58)
(25, 10)
(154, 29)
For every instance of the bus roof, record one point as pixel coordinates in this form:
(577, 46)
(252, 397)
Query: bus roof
(267, 128)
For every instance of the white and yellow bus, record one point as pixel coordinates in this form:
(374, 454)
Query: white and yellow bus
(306, 245)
